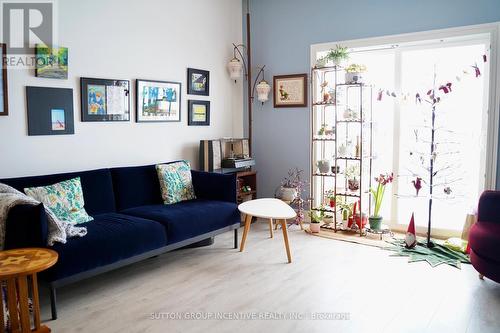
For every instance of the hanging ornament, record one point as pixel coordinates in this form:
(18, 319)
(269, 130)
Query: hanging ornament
(484, 58)
(411, 238)
(477, 72)
(447, 190)
(380, 94)
(417, 183)
(446, 88)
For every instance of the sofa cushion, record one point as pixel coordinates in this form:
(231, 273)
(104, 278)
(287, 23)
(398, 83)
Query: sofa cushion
(191, 218)
(484, 239)
(110, 238)
(64, 199)
(175, 182)
(136, 186)
(97, 187)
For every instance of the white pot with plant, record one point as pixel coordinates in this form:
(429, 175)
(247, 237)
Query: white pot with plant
(352, 174)
(335, 57)
(316, 219)
(354, 73)
(290, 185)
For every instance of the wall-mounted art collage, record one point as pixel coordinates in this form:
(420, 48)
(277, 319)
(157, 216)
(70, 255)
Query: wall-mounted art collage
(50, 110)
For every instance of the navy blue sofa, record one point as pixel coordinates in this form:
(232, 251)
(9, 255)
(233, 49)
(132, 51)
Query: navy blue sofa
(131, 223)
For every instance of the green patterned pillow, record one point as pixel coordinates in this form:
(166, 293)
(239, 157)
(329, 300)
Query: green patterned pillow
(64, 199)
(175, 182)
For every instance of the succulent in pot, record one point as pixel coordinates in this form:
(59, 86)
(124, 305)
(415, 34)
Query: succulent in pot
(352, 173)
(354, 73)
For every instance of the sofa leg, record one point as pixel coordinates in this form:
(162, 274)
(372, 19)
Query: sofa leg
(236, 238)
(481, 276)
(53, 302)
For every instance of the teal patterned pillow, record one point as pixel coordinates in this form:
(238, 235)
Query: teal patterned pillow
(64, 199)
(175, 182)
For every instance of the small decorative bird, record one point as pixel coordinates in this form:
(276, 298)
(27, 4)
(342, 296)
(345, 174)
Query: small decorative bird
(417, 183)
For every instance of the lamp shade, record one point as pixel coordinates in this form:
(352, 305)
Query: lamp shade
(235, 68)
(263, 89)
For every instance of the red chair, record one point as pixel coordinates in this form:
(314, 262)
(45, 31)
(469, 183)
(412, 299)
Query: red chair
(484, 237)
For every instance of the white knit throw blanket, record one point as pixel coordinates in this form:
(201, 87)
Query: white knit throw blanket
(59, 230)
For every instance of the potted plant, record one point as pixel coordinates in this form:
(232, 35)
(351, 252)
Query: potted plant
(323, 166)
(378, 196)
(316, 219)
(290, 184)
(346, 210)
(354, 73)
(352, 174)
(330, 195)
(336, 56)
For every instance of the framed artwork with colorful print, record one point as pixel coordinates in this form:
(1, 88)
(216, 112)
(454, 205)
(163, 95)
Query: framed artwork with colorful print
(158, 101)
(105, 99)
(290, 90)
(198, 113)
(198, 82)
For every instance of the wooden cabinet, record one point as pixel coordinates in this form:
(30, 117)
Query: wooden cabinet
(246, 179)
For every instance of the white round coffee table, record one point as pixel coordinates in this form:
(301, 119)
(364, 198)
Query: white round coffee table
(268, 209)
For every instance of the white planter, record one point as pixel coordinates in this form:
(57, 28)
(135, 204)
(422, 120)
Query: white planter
(288, 193)
(314, 227)
(354, 77)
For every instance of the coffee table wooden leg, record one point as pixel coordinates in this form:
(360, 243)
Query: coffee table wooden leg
(23, 304)
(2, 323)
(12, 302)
(36, 302)
(248, 222)
(271, 227)
(285, 237)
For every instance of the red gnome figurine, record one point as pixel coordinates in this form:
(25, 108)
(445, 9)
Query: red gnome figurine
(411, 238)
(418, 184)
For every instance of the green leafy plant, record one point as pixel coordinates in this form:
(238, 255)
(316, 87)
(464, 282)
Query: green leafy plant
(355, 68)
(352, 171)
(378, 194)
(316, 217)
(338, 54)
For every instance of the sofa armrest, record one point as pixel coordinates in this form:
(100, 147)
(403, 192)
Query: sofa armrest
(26, 226)
(489, 207)
(214, 186)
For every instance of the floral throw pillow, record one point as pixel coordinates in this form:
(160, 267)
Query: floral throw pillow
(175, 182)
(64, 199)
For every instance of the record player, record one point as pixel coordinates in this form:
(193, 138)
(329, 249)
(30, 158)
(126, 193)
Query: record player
(227, 153)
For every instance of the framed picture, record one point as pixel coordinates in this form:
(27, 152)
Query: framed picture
(198, 82)
(50, 111)
(158, 101)
(4, 103)
(51, 62)
(198, 113)
(105, 99)
(290, 90)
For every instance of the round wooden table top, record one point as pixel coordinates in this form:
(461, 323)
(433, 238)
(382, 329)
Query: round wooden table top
(25, 261)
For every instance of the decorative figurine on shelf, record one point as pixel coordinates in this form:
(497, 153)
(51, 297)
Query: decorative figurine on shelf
(411, 238)
(417, 183)
(325, 94)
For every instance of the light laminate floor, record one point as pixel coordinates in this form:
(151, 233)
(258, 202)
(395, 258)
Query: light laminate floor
(379, 293)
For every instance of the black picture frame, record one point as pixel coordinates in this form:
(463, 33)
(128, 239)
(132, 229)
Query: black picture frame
(192, 118)
(101, 110)
(174, 100)
(195, 76)
(50, 111)
(4, 96)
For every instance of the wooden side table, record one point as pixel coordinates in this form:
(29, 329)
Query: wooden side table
(270, 209)
(16, 266)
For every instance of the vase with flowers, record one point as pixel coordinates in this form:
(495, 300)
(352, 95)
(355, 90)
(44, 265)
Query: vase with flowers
(378, 196)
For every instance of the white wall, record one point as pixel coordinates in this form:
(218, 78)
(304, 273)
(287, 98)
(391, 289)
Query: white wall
(148, 39)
